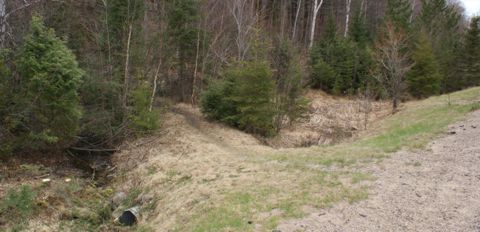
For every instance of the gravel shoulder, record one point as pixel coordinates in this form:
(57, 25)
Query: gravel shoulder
(437, 189)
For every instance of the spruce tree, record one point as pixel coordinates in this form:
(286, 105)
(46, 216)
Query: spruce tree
(244, 99)
(424, 78)
(48, 102)
(442, 22)
(399, 13)
(359, 29)
(471, 55)
(360, 36)
(182, 32)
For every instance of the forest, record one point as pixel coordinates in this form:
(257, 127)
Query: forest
(87, 76)
(86, 73)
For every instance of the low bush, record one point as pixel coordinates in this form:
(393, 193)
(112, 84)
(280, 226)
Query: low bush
(17, 206)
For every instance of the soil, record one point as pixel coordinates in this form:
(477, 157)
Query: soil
(433, 190)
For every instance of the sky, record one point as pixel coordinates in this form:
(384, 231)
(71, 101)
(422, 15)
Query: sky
(472, 6)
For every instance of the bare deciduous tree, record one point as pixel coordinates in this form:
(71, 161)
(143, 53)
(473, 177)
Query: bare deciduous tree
(5, 13)
(244, 19)
(394, 61)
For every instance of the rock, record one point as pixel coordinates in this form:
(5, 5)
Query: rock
(452, 132)
(145, 198)
(118, 199)
(362, 215)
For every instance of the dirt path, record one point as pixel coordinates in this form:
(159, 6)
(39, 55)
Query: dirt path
(433, 190)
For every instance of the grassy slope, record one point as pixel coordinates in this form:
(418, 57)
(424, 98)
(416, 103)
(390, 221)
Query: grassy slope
(320, 176)
(276, 184)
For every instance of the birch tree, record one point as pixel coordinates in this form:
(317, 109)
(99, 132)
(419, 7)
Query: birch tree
(348, 4)
(317, 5)
(244, 19)
(299, 6)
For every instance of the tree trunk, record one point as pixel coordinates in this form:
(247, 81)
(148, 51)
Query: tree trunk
(3, 23)
(414, 2)
(394, 104)
(316, 8)
(347, 17)
(299, 5)
(196, 69)
(126, 74)
(154, 90)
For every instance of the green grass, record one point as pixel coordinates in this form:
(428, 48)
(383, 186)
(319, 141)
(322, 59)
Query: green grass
(309, 178)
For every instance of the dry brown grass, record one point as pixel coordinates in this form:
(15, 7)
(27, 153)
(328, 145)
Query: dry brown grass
(209, 177)
(330, 120)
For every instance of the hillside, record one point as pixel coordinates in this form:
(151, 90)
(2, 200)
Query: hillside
(204, 176)
(238, 115)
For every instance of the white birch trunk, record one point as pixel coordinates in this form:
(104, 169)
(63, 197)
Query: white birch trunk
(347, 17)
(316, 8)
(296, 20)
(127, 61)
(3, 22)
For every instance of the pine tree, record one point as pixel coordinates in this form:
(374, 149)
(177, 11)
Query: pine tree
(471, 55)
(359, 29)
(360, 36)
(340, 65)
(48, 101)
(424, 78)
(288, 77)
(182, 32)
(441, 22)
(244, 99)
(399, 13)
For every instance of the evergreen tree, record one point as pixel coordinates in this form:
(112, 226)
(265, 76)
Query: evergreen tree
(122, 14)
(49, 110)
(5, 102)
(340, 56)
(471, 55)
(359, 35)
(143, 118)
(182, 32)
(288, 77)
(424, 78)
(441, 21)
(358, 32)
(399, 13)
(340, 65)
(244, 99)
